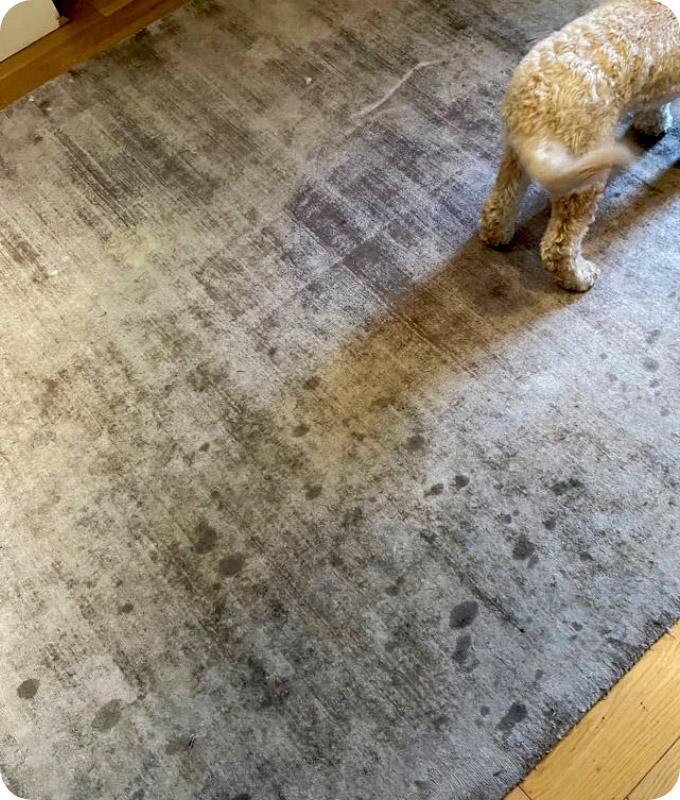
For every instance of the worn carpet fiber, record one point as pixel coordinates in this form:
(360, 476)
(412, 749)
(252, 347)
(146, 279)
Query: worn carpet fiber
(305, 494)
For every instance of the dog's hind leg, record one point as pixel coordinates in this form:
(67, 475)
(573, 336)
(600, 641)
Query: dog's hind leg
(497, 225)
(654, 122)
(561, 246)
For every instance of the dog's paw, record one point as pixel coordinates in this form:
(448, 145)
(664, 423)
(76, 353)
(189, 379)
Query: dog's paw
(654, 123)
(579, 277)
(493, 233)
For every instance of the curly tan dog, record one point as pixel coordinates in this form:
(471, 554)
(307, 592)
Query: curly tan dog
(560, 114)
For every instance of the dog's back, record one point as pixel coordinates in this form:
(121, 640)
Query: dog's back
(565, 98)
(560, 114)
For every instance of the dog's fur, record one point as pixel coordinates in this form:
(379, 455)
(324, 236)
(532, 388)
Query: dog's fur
(560, 114)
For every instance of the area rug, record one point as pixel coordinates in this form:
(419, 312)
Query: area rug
(305, 494)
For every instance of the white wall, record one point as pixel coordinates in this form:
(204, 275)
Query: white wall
(23, 22)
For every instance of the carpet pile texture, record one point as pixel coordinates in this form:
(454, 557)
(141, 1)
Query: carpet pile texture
(305, 494)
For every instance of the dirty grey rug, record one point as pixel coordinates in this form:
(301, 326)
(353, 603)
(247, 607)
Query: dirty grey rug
(305, 494)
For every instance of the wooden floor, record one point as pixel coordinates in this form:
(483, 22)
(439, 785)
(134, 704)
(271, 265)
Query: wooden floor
(628, 746)
(92, 26)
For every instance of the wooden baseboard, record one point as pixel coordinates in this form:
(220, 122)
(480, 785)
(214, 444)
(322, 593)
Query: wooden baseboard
(88, 31)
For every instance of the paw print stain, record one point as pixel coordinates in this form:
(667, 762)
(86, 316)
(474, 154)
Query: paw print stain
(415, 443)
(300, 430)
(205, 538)
(231, 565)
(108, 716)
(461, 481)
(464, 614)
(515, 714)
(463, 647)
(563, 487)
(394, 589)
(524, 549)
(441, 722)
(28, 689)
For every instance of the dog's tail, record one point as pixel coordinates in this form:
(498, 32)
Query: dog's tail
(560, 172)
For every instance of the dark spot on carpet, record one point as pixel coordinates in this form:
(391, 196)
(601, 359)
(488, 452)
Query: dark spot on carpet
(653, 335)
(461, 481)
(549, 523)
(271, 690)
(462, 651)
(464, 614)
(312, 492)
(523, 549)
(175, 745)
(231, 565)
(568, 485)
(381, 402)
(28, 689)
(205, 537)
(312, 383)
(395, 588)
(415, 443)
(435, 490)
(126, 608)
(300, 430)
(441, 722)
(352, 517)
(650, 364)
(485, 711)
(108, 716)
(204, 447)
(516, 713)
